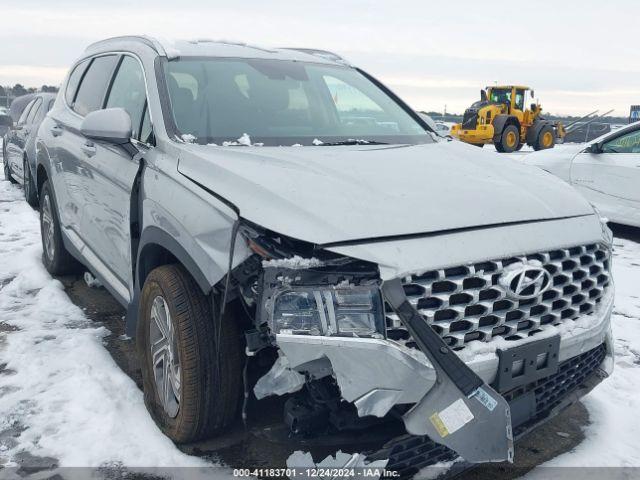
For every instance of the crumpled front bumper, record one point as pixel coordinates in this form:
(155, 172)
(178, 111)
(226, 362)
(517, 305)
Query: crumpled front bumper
(377, 374)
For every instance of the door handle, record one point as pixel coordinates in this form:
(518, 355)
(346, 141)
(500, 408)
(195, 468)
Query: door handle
(56, 131)
(89, 149)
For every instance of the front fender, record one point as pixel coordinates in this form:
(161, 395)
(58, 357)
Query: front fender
(152, 236)
(189, 223)
(500, 121)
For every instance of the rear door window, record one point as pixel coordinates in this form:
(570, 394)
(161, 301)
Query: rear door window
(627, 143)
(74, 81)
(90, 96)
(128, 92)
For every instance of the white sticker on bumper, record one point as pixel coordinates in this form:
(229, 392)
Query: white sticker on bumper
(452, 418)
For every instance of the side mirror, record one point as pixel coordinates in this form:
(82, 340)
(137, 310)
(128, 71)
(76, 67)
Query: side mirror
(112, 125)
(483, 95)
(594, 148)
(533, 94)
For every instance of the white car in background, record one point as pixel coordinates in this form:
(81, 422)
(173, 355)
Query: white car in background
(439, 128)
(605, 170)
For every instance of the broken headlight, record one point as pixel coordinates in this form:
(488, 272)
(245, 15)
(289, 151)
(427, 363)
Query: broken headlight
(352, 311)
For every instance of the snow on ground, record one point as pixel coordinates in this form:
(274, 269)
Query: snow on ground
(61, 394)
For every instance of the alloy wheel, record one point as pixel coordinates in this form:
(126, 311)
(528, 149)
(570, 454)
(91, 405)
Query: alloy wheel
(48, 227)
(27, 180)
(164, 356)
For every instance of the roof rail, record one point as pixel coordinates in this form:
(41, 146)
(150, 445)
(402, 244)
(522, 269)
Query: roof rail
(149, 41)
(327, 55)
(196, 41)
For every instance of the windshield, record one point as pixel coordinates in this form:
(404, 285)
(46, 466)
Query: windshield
(277, 102)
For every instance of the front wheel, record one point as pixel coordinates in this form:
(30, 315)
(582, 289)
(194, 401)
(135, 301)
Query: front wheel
(191, 361)
(30, 194)
(509, 140)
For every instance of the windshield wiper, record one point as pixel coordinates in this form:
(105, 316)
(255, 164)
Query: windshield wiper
(352, 142)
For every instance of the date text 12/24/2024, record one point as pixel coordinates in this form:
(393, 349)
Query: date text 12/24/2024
(315, 472)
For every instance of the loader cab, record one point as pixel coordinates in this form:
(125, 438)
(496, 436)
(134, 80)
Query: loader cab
(500, 96)
(513, 97)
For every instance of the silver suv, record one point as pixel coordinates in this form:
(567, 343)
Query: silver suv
(251, 206)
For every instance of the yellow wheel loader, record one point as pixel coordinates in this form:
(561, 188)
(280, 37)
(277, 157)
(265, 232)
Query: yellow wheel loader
(500, 117)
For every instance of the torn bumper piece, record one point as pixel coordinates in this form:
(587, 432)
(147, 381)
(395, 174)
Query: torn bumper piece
(461, 411)
(279, 380)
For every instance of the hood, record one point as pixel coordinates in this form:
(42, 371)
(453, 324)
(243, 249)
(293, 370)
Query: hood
(344, 193)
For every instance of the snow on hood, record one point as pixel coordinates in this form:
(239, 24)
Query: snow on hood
(333, 194)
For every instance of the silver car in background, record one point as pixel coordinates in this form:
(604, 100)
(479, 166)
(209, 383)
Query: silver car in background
(281, 208)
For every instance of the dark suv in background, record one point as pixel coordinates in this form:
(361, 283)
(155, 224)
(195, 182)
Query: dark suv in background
(19, 148)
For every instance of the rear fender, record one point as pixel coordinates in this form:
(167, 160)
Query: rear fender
(534, 130)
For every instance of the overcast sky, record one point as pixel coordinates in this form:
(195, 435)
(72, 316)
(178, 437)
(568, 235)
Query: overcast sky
(578, 55)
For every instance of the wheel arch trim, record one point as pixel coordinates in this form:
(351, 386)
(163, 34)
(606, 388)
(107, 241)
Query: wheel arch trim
(154, 236)
(534, 131)
(151, 237)
(501, 121)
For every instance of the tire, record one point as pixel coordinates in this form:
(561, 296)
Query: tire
(509, 140)
(546, 138)
(55, 257)
(28, 184)
(7, 173)
(205, 399)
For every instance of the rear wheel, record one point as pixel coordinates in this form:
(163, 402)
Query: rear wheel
(546, 138)
(7, 173)
(509, 140)
(57, 260)
(191, 361)
(30, 194)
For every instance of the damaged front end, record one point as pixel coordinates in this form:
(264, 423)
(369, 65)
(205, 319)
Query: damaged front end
(326, 315)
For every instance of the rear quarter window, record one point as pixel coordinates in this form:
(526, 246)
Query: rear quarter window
(25, 112)
(35, 111)
(74, 81)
